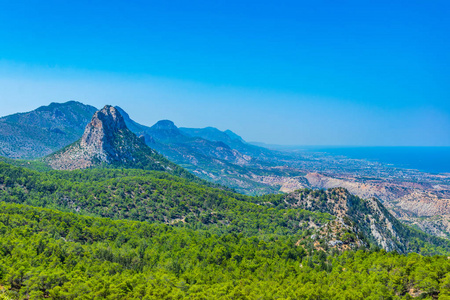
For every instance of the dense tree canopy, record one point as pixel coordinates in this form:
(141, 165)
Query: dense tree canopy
(134, 234)
(45, 253)
(150, 196)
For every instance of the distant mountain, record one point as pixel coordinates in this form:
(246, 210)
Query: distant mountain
(234, 136)
(229, 138)
(212, 160)
(165, 131)
(169, 140)
(220, 157)
(108, 142)
(44, 130)
(213, 134)
(223, 145)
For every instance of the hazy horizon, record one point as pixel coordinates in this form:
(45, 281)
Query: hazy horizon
(291, 73)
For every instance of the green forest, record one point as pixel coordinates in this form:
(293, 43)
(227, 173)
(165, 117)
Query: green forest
(46, 253)
(135, 234)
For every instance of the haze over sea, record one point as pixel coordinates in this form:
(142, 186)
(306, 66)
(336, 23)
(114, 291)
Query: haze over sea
(426, 159)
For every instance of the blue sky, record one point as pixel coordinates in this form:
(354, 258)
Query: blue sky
(285, 72)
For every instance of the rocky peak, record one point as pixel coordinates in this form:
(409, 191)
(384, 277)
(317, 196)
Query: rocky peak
(110, 118)
(104, 124)
(107, 142)
(106, 139)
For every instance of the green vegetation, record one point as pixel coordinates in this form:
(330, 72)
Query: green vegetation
(159, 197)
(125, 150)
(46, 253)
(150, 196)
(28, 164)
(137, 234)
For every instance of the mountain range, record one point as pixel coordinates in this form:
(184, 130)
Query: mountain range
(220, 157)
(214, 155)
(114, 219)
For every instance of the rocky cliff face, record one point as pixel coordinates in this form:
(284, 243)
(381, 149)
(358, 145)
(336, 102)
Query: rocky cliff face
(423, 205)
(107, 141)
(367, 217)
(99, 138)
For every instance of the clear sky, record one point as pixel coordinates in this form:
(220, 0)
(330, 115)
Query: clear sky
(284, 72)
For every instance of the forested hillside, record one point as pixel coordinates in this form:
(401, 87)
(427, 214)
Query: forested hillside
(50, 254)
(150, 196)
(268, 150)
(160, 197)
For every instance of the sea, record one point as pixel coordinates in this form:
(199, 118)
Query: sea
(426, 159)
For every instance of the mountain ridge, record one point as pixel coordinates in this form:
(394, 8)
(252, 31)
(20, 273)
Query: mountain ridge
(417, 199)
(44, 130)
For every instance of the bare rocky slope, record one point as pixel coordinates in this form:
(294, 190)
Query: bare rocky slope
(363, 217)
(423, 205)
